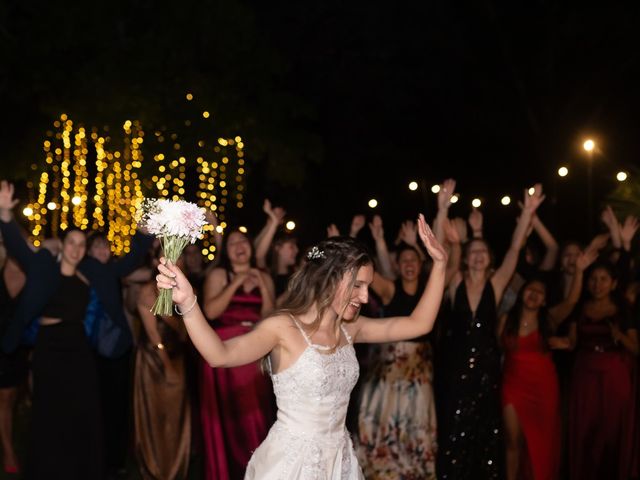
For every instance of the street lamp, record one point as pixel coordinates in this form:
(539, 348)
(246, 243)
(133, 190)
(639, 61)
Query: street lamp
(589, 145)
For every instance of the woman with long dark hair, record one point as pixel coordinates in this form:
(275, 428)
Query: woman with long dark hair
(236, 404)
(308, 344)
(66, 433)
(530, 395)
(600, 421)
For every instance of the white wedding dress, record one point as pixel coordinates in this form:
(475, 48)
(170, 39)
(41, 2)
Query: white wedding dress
(309, 440)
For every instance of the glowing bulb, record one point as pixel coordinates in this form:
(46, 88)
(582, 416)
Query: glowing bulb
(51, 205)
(205, 114)
(27, 212)
(506, 200)
(189, 96)
(621, 176)
(219, 229)
(589, 145)
(531, 191)
(435, 188)
(455, 198)
(291, 225)
(243, 229)
(563, 171)
(373, 203)
(413, 186)
(476, 202)
(76, 200)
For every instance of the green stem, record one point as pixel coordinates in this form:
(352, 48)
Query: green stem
(172, 248)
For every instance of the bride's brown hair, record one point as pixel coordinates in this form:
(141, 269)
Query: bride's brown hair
(318, 280)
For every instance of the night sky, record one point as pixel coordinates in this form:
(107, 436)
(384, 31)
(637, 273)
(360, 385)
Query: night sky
(339, 102)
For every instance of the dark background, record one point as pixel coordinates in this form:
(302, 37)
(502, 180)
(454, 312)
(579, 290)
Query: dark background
(338, 102)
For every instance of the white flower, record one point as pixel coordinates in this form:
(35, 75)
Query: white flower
(164, 218)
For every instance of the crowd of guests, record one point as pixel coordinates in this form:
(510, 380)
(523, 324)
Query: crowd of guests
(530, 372)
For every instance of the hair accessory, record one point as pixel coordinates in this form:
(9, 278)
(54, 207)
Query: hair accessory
(315, 253)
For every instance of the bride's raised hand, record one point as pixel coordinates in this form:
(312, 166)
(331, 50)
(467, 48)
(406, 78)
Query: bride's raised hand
(435, 250)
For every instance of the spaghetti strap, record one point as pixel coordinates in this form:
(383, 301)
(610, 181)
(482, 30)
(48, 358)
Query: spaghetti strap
(304, 334)
(346, 334)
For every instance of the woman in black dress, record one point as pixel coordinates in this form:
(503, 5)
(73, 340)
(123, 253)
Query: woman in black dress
(468, 369)
(66, 436)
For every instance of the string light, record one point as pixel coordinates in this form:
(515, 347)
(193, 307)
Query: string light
(413, 186)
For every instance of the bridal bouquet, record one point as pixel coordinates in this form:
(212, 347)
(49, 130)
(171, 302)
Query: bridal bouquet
(176, 224)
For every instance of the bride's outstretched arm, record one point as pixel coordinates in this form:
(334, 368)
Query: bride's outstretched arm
(236, 351)
(424, 314)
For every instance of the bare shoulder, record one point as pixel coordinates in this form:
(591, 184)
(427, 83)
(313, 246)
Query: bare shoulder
(216, 279)
(217, 274)
(277, 323)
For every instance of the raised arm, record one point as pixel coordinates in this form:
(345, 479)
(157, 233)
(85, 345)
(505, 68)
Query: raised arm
(455, 254)
(357, 222)
(445, 193)
(409, 235)
(610, 220)
(550, 244)
(13, 240)
(263, 241)
(236, 351)
(476, 222)
(501, 277)
(424, 314)
(627, 231)
(559, 313)
(382, 252)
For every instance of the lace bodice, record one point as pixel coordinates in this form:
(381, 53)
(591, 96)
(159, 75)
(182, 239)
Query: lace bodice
(309, 440)
(313, 393)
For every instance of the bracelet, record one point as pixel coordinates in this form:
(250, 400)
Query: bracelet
(183, 313)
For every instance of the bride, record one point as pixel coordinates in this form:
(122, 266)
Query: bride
(309, 354)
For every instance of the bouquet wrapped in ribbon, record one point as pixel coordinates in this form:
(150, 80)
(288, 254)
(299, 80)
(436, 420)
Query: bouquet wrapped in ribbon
(176, 223)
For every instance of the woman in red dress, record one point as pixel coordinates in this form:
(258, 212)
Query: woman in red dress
(600, 423)
(530, 397)
(236, 404)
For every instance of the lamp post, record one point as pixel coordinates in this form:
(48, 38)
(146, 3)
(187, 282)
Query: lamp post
(589, 146)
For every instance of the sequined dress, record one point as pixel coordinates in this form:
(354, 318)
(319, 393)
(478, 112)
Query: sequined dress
(469, 416)
(309, 440)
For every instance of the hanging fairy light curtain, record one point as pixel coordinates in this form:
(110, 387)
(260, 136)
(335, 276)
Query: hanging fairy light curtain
(96, 182)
